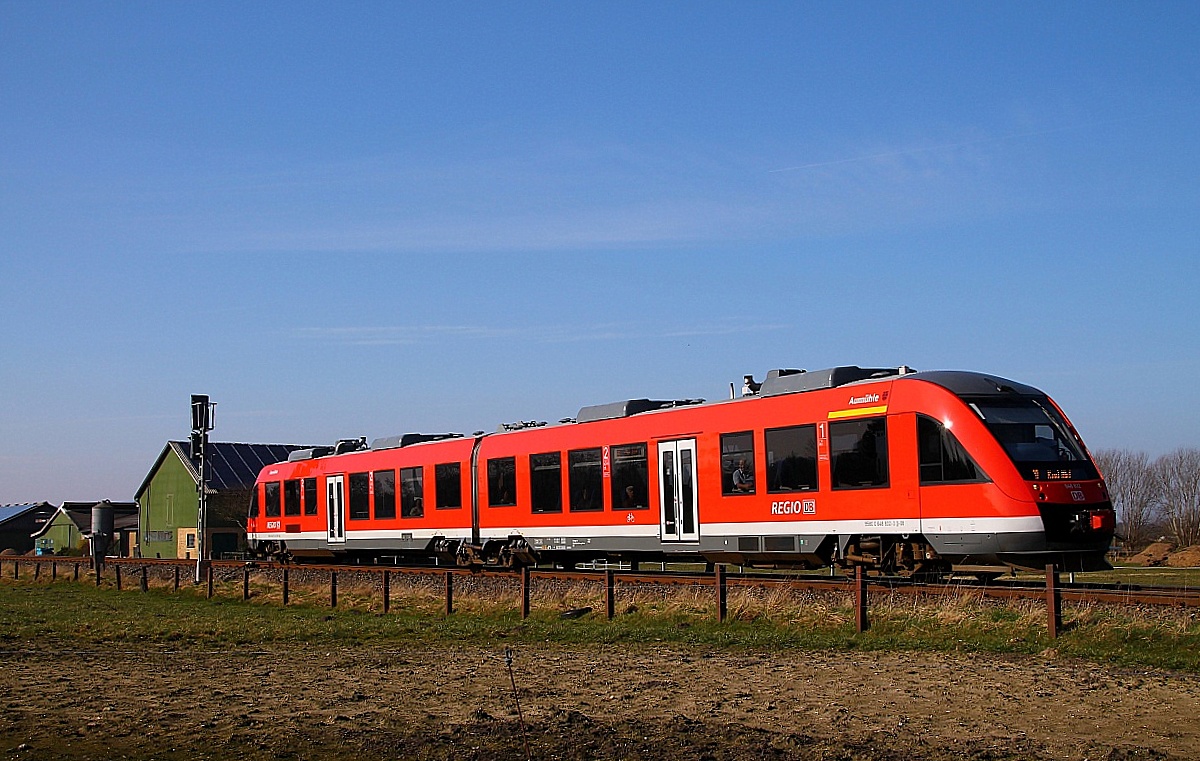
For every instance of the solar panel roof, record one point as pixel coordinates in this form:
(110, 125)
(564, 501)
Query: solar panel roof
(234, 466)
(12, 511)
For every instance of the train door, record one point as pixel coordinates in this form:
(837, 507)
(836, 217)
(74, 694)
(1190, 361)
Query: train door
(677, 490)
(335, 491)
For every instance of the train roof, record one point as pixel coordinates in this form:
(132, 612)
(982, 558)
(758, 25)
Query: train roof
(777, 383)
(629, 407)
(799, 381)
(965, 383)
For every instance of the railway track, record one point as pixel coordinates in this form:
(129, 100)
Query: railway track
(1083, 593)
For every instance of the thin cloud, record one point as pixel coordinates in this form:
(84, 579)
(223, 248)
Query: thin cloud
(955, 145)
(407, 335)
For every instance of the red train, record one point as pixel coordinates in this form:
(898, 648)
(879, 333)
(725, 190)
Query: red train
(903, 472)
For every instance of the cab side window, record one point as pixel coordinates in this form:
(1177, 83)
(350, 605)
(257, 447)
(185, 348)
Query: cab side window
(943, 459)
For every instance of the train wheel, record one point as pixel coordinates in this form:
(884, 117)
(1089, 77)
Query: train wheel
(469, 556)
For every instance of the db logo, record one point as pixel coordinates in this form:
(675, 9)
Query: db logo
(1078, 496)
(797, 507)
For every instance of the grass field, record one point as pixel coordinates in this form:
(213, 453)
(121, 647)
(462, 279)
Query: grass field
(69, 614)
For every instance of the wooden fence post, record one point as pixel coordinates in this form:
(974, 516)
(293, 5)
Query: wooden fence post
(1053, 601)
(610, 592)
(245, 583)
(860, 600)
(525, 592)
(449, 592)
(387, 591)
(333, 589)
(209, 573)
(145, 580)
(722, 592)
(286, 589)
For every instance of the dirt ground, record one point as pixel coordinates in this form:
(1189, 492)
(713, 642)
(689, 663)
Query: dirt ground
(614, 703)
(1164, 553)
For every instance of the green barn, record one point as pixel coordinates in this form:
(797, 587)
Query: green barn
(169, 502)
(68, 528)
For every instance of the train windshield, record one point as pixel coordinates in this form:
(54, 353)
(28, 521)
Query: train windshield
(1036, 438)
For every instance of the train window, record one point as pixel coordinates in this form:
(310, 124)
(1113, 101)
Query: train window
(360, 496)
(737, 463)
(545, 482)
(587, 480)
(310, 496)
(943, 458)
(502, 482)
(1036, 437)
(412, 492)
(447, 485)
(385, 494)
(271, 495)
(630, 477)
(792, 459)
(291, 497)
(858, 453)
(254, 502)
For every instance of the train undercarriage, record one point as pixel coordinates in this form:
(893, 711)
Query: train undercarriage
(890, 556)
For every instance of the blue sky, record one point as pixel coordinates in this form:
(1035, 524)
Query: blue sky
(370, 218)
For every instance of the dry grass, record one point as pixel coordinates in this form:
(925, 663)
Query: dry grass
(964, 615)
(766, 615)
(489, 594)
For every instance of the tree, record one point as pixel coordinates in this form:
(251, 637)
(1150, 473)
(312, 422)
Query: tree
(1134, 490)
(1178, 477)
